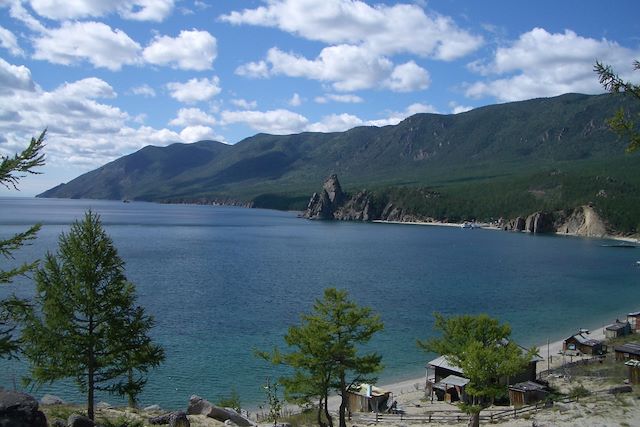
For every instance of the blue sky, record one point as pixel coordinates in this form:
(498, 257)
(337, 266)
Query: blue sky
(108, 77)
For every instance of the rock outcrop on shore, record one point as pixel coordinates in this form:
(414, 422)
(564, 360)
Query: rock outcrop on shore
(20, 410)
(581, 221)
(333, 204)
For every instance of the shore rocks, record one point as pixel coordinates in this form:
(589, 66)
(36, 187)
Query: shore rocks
(20, 410)
(49, 399)
(583, 221)
(540, 222)
(200, 406)
(322, 205)
(76, 420)
(174, 419)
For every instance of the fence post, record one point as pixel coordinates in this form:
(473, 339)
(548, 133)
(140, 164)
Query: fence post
(515, 415)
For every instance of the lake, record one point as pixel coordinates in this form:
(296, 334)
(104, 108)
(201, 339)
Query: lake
(222, 282)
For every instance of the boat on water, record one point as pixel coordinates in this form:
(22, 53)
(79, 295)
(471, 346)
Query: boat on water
(471, 225)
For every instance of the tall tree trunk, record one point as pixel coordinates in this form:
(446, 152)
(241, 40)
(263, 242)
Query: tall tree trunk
(130, 394)
(343, 402)
(90, 372)
(327, 414)
(474, 420)
(320, 410)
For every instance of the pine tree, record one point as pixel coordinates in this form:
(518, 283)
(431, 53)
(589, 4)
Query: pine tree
(482, 348)
(325, 354)
(621, 123)
(89, 327)
(12, 169)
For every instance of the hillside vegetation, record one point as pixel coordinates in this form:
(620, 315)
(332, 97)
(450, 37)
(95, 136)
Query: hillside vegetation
(496, 161)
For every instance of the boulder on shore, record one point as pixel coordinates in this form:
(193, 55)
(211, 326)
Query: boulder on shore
(200, 406)
(20, 410)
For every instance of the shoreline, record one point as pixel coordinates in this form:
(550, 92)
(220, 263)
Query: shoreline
(487, 226)
(553, 349)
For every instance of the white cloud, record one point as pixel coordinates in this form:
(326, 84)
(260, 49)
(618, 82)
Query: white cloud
(192, 117)
(256, 70)
(408, 77)
(295, 100)
(381, 29)
(277, 122)
(541, 64)
(349, 68)
(8, 41)
(191, 50)
(90, 41)
(83, 132)
(345, 98)
(346, 67)
(14, 78)
(344, 121)
(199, 133)
(144, 90)
(89, 88)
(139, 10)
(195, 90)
(457, 109)
(335, 123)
(395, 117)
(244, 104)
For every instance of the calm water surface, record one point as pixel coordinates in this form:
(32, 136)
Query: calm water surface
(222, 282)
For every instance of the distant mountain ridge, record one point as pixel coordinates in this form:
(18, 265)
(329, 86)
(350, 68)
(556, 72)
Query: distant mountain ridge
(423, 150)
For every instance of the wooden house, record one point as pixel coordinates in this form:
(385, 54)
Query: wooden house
(445, 378)
(451, 388)
(526, 393)
(617, 329)
(634, 371)
(634, 321)
(628, 351)
(579, 343)
(368, 398)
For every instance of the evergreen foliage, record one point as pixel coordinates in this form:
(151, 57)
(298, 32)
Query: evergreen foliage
(12, 169)
(621, 122)
(88, 326)
(325, 353)
(482, 348)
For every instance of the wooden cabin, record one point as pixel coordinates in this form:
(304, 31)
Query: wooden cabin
(634, 371)
(617, 329)
(440, 370)
(451, 388)
(579, 343)
(628, 351)
(368, 398)
(634, 321)
(526, 393)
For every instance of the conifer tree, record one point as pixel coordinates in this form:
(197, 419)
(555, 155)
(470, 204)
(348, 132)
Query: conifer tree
(12, 169)
(482, 348)
(625, 126)
(88, 327)
(325, 352)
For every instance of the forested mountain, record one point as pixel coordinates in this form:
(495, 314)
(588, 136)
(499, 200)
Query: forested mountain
(547, 151)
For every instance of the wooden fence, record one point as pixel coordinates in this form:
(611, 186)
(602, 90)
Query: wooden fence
(487, 415)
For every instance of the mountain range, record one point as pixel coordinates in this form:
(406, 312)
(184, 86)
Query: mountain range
(505, 146)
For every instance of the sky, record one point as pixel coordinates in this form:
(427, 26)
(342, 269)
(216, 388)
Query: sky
(108, 77)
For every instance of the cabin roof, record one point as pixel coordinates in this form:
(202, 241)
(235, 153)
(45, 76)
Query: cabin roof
(442, 362)
(617, 326)
(584, 340)
(634, 314)
(361, 390)
(630, 347)
(455, 380)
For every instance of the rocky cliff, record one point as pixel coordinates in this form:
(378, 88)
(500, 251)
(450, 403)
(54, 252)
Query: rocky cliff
(581, 221)
(331, 203)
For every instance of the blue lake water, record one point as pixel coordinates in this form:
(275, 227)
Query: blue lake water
(222, 282)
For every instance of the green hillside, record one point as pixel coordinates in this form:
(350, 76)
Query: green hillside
(493, 161)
